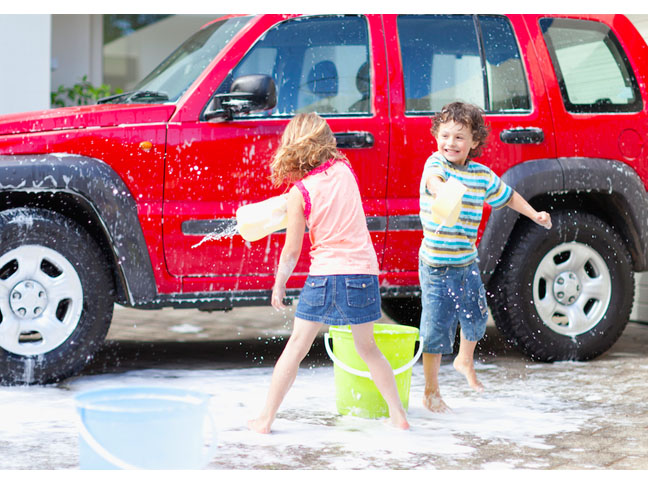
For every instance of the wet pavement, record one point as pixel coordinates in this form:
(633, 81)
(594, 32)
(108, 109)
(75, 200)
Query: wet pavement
(532, 416)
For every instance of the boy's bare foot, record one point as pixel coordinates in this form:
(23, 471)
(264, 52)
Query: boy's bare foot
(434, 403)
(258, 425)
(467, 368)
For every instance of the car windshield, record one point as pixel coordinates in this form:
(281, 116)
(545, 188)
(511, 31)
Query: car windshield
(176, 73)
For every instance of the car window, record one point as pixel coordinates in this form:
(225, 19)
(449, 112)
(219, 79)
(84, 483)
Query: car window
(447, 58)
(441, 61)
(176, 73)
(318, 64)
(592, 70)
(507, 83)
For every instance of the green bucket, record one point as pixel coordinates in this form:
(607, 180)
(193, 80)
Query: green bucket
(356, 393)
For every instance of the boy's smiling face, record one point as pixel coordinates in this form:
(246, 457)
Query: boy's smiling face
(455, 141)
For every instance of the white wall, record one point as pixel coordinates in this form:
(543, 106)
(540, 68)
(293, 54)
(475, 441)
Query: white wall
(640, 21)
(77, 41)
(25, 60)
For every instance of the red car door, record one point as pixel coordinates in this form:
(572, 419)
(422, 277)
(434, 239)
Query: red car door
(436, 59)
(213, 167)
(594, 68)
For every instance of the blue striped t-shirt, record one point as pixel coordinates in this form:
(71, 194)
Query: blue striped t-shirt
(456, 245)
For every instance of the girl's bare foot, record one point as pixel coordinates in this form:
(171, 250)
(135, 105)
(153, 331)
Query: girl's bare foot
(467, 368)
(434, 403)
(398, 420)
(258, 425)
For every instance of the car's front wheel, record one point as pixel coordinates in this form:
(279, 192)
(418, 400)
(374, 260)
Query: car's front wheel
(566, 293)
(55, 296)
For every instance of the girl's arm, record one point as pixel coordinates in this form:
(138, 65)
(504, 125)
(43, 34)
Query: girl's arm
(519, 204)
(292, 246)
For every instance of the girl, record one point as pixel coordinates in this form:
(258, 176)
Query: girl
(342, 286)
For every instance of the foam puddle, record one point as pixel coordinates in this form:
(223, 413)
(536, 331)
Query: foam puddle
(38, 426)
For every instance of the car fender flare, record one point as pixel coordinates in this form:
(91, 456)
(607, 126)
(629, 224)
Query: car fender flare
(610, 179)
(98, 187)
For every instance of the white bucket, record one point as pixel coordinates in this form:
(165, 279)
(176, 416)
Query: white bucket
(143, 428)
(447, 204)
(260, 219)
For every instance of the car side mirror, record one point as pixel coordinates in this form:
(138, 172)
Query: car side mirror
(254, 92)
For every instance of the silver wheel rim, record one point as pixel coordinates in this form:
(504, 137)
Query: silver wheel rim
(41, 300)
(572, 289)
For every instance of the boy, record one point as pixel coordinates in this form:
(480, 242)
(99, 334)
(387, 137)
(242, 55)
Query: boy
(451, 286)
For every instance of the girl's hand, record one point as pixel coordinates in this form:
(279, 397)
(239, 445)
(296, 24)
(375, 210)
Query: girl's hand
(543, 219)
(278, 294)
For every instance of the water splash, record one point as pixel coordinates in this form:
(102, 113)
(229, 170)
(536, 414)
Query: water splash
(218, 234)
(28, 371)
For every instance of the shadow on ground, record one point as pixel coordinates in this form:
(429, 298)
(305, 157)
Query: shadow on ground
(118, 356)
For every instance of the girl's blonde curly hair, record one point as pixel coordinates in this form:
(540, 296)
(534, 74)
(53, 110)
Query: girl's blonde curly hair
(307, 142)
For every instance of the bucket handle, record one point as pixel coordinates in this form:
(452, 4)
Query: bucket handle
(116, 461)
(366, 374)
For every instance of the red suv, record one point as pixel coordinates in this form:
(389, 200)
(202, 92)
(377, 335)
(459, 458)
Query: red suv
(110, 203)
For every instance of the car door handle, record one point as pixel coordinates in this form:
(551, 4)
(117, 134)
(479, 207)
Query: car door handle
(522, 135)
(351, 140)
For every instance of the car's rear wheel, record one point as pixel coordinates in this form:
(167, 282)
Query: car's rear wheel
(566, 293)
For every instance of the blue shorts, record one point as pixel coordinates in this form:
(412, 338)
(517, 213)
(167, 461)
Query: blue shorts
(451, 295)
(340, 299)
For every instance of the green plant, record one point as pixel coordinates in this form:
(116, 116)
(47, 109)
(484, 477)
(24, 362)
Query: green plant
(82, 93)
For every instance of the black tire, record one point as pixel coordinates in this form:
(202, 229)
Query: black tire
(403, 310)
(56, 297)
(564, 293)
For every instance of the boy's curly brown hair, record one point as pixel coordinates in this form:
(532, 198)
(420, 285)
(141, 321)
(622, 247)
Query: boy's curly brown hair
(306, 143)
(467, 115)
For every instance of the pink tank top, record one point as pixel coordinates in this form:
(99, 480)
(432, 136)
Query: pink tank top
(340, 240)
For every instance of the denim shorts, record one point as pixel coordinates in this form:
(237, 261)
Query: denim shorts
(340, 299)
(451, 295)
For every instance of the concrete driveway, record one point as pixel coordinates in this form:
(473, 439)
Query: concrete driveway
(532, 416)
(600, 419)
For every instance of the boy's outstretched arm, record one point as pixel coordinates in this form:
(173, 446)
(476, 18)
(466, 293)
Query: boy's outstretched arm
(433, 184)
(519, 204)
(292, 247)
